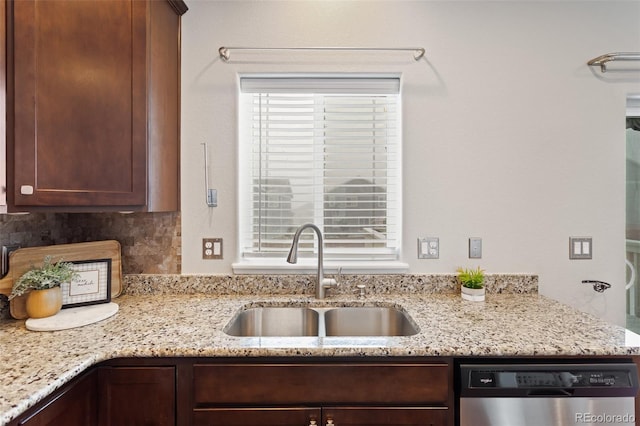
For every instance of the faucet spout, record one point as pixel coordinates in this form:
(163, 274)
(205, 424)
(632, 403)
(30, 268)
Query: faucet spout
(322, 283)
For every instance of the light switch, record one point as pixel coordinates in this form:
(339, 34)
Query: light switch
(580, 247)
(475, 248)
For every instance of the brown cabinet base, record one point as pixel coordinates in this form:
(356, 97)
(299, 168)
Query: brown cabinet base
(137, 396)
(73, 405)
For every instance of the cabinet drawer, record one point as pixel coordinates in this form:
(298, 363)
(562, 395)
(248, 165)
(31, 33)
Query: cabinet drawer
(259, 384)
(255, 416)
(379, 416)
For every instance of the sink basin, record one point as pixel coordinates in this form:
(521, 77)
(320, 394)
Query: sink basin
(302, 321)
(368, 321)
(274, 321)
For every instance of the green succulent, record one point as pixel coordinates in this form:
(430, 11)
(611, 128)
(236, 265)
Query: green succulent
(49, 275)
(471, 278)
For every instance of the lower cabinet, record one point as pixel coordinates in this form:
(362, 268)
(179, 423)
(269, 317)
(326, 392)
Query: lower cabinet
(136, 396)
(252, 392)
(322, 393)
(75, 404)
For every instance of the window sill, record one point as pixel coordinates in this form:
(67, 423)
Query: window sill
(310, 266)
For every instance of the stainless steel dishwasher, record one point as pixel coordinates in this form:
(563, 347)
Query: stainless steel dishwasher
(547, 394)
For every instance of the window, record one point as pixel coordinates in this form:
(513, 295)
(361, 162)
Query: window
(324, 150)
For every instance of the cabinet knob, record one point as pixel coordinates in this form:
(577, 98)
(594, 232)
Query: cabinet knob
(330, 422)
(313, 423)
(26, 190)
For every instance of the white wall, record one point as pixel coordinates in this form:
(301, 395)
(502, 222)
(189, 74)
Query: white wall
(508, 135)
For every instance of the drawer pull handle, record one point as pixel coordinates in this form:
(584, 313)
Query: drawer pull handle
(26, 190)
(330, 422)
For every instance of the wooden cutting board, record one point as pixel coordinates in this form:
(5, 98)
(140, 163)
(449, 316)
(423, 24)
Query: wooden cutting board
(24, 259)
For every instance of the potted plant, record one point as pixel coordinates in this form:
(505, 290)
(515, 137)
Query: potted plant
(42, 284)
(471, 284)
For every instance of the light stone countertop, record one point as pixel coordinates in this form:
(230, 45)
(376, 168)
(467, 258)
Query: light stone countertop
(34, 364)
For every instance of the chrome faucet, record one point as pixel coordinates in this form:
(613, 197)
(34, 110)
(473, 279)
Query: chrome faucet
(323, 283)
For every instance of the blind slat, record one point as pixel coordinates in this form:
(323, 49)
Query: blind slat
(328, 156)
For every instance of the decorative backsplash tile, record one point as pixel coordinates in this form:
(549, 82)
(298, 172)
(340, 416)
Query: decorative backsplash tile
(151, 242)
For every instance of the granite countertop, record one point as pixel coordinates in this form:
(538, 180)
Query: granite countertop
(164, 324)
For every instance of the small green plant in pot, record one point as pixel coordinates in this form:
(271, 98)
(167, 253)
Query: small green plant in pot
(471, 283)
(42, 286)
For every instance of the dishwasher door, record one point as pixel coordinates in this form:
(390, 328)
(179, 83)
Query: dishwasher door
(548, 394)
(542, 411)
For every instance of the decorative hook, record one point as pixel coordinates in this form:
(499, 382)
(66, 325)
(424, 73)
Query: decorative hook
(599, 286)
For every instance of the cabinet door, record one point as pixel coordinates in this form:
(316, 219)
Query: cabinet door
(75, 405)
(137, 396)
(79, 102)
(256, 416)
(378, 416)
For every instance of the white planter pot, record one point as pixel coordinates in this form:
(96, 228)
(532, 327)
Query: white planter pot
(472, 294)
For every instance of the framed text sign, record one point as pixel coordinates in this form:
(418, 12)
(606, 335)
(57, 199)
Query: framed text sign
(91, 286)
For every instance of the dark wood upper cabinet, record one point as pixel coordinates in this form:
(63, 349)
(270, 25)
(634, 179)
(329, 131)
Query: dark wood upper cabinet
(93, 105)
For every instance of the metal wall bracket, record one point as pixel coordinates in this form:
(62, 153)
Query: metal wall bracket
(211, 194)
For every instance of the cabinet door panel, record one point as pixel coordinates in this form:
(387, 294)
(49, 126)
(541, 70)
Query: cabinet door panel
(137, 396)
(379, 416)
(74, 406)
(351, 383)
(79, 73)
(255, 416)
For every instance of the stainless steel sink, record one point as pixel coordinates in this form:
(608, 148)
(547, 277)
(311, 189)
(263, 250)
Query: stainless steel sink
(331, 321)
(368, 321)
(274, 321)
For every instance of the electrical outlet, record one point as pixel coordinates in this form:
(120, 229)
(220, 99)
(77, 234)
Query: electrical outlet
(428, 248)
(212, 248)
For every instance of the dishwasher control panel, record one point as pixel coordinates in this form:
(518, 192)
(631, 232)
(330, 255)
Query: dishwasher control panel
(563, 379)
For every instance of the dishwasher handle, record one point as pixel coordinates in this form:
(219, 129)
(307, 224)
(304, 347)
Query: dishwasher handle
(551, 392)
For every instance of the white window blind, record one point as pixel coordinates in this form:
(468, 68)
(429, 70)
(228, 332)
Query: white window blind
(320, 150)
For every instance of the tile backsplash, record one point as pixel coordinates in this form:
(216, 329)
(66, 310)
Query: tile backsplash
(150, 241)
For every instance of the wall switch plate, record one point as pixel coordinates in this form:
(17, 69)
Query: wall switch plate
(428, 248)
(580, 247)
(475, 248)
(212, 248)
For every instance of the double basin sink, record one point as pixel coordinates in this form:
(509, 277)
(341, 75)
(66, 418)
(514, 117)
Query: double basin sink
(321, 322)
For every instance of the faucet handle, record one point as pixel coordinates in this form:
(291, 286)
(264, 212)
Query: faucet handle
(329, 283)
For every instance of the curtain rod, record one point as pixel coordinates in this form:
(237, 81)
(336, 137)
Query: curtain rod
(616, 56)
(418, 52)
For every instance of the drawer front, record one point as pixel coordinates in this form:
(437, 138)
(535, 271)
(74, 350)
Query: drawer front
(259, 384)
(379, 416)
(255, 416)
